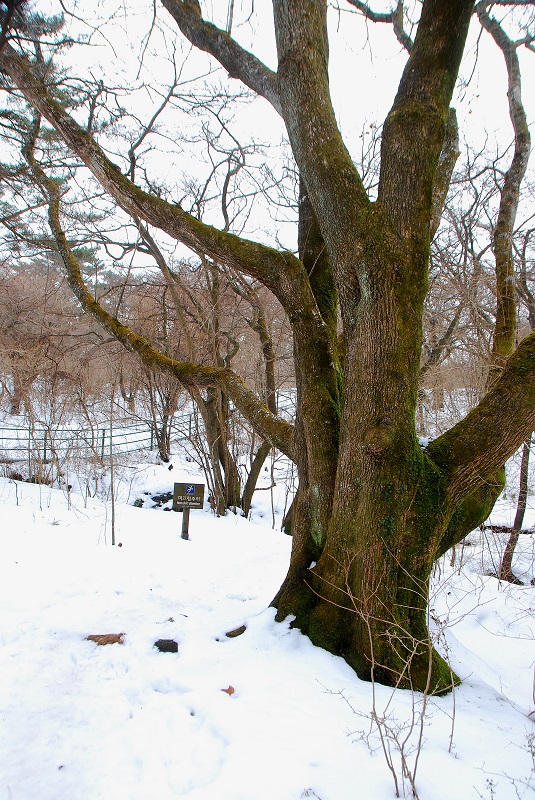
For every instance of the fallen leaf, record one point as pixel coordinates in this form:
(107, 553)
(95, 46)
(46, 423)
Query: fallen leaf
(106, 638)
(236, 632)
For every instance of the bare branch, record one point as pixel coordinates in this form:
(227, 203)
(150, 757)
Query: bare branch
(394, 18)
(147, 129)
(437, 351)
(158, 256)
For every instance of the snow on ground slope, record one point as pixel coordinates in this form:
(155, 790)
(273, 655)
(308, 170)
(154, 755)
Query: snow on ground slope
(80, 721)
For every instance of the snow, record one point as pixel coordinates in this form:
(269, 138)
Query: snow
(128, 722)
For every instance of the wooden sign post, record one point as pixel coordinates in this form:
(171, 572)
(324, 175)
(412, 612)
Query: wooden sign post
(186, 496)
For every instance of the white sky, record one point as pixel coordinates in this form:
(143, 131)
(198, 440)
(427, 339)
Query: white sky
(365, 60)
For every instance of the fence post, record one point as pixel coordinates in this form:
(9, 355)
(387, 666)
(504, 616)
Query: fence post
(185, 523)
(103, 443)
(44, 446)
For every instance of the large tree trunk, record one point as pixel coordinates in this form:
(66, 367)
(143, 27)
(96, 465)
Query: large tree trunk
(396, 509)
(359, 585)
(20, 395)
(224, 466)
(252, 478)
(366, 597)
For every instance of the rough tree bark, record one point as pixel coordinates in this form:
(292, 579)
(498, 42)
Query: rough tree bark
(374, 510)
(505, 573)
(259, 325)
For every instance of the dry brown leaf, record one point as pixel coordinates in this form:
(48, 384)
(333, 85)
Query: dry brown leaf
(106, 638)
(236, 632)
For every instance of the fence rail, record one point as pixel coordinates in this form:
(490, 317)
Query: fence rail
(44, 443)
(47, 443)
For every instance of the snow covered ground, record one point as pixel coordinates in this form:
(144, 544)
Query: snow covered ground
(79, 721)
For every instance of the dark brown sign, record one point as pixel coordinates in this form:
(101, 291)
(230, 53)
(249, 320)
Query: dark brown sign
(188, 495)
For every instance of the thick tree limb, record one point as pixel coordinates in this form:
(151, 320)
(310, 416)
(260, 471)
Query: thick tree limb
(450, 149)
(333, 183)
(477, 447)
(414, 130)
(448, 158)
(238, 62)
(313, 254)
(503, 342)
